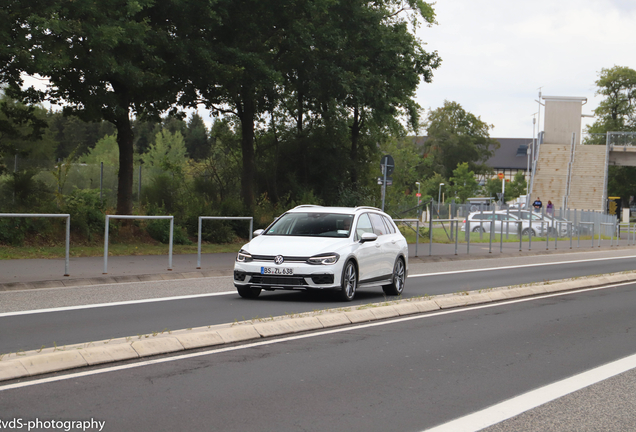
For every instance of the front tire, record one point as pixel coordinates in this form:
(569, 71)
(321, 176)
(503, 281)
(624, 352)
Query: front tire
(399, 276)
(349, 282)
(248, 293)
(528, 232)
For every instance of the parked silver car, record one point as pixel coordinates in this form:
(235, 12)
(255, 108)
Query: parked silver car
(509, 222)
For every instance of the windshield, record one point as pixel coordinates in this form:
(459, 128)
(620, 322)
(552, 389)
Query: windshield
(312, 225)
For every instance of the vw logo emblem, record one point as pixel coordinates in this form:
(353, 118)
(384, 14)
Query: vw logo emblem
(279, 259)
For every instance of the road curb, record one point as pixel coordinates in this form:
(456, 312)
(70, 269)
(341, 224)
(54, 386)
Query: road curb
(107, 280)
(48, 360)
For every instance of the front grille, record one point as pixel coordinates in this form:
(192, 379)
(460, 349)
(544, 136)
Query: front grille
(278, 280)
(286, 258)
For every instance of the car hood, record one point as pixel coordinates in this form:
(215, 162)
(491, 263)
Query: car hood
(294, 246)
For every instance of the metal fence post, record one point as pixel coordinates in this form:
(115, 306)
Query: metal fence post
(492, 230)
(201, 218)
(417, 235)
(530, 232)
(508, 221)
(430, 233)
(456, 233)
(199, 244)
(106, 245)
(68, 245)
(467, 236)
(170, 247)
(481, 221)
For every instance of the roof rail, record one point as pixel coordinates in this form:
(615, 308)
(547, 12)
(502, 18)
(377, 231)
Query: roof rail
(307, 205)
(368, 207)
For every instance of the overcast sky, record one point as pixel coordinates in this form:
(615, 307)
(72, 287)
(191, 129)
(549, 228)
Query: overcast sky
(497, 53)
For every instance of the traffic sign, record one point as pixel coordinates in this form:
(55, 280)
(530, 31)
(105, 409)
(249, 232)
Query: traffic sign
(418, 194)
(388, 162)
(501, 176)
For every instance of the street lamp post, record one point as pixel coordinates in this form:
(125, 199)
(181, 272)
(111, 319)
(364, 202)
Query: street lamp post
(439, 197)
(418, 199)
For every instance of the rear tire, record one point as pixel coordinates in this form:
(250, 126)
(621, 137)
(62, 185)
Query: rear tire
(248, 293)
(528, 232)
(479, 229)
(396, 287)
(349, 282)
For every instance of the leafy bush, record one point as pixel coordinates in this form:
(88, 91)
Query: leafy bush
(159, 229)
(12, 231)
(87, 213)
(22, 190)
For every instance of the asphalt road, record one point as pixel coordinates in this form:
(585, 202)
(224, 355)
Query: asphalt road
(27, 331)
(408, 374)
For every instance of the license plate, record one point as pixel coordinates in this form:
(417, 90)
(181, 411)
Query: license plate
(277, 271)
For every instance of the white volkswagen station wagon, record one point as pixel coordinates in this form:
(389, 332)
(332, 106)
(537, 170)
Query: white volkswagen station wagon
(318, 248)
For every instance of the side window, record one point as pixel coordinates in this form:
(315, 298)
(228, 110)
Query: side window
(389, 225)
(378, 224)
(363, 226)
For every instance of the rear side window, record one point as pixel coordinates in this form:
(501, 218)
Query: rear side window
(484, 216)
(378, 224)
(389, 225)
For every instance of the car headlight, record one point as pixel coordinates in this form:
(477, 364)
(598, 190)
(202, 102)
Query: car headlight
(243, 256)
(324, 259)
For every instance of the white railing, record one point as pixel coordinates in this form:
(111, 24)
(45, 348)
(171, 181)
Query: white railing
(201, 218)
(108, 217)
(50, 215)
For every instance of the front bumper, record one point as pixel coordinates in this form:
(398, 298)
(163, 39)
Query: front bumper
(305, 276)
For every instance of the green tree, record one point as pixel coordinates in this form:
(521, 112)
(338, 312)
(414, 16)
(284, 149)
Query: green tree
(517, 187)
(107, 60)
(616, 113)
(492, 187)
(463, 183)
(106, 150)
(196, 138)
(23, 132)
(168, 152)
(456, 136)
(362, 64)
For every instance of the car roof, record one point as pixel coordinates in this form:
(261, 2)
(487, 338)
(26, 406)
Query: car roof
(322, 209)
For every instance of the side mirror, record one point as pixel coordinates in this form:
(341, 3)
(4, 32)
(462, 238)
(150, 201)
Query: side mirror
(368, 237)
(258, 232)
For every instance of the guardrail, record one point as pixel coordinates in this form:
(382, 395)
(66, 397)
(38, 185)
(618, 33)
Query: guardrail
(51, 215)
(108, 217)
(201, 218)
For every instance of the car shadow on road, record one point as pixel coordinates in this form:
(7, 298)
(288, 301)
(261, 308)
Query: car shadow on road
(324, 297)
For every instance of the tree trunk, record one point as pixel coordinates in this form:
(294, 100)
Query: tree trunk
(355, 134)
(247, 146)
(125, 177)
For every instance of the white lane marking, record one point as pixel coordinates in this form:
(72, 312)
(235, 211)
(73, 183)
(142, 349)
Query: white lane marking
(131, 302)
(297, 337)
(532, 399)
(519, 266)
